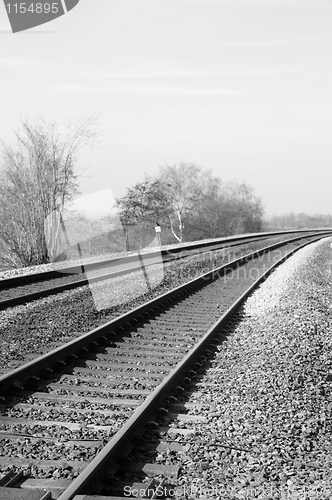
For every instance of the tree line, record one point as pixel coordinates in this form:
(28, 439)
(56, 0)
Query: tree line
(301, 220)
(38, 179)
(189, 204)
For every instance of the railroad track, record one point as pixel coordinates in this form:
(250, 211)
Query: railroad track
(29, 287)
(68, 417)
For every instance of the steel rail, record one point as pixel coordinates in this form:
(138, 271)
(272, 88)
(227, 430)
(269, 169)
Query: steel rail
(109, 456)
(133, 325)
(79, 268)
(21, 299)
(21, 374)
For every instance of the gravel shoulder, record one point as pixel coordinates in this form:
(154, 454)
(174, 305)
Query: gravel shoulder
(267, 394)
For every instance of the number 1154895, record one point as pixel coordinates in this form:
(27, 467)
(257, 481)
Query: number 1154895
(38, 8)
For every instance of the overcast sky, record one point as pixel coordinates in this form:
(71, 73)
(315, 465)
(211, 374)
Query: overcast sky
(242, 87)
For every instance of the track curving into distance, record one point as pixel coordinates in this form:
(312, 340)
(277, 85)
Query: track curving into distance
(87, 399)
(29, 287)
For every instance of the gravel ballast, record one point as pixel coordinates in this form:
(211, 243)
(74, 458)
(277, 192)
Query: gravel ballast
(68, 314)
(184, 322)
(267, 393)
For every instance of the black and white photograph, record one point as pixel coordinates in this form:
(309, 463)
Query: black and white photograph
(165, 249)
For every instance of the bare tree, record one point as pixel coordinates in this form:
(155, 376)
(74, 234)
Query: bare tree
(242, 209)
(185, 185)
(224, 209)
(37, 177)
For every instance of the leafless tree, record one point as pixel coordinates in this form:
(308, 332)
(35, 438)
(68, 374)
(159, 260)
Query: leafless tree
(185, 186)
(37, 177)
(223, 208)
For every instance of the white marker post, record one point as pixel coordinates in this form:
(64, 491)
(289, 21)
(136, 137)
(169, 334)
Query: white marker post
(158, 231)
